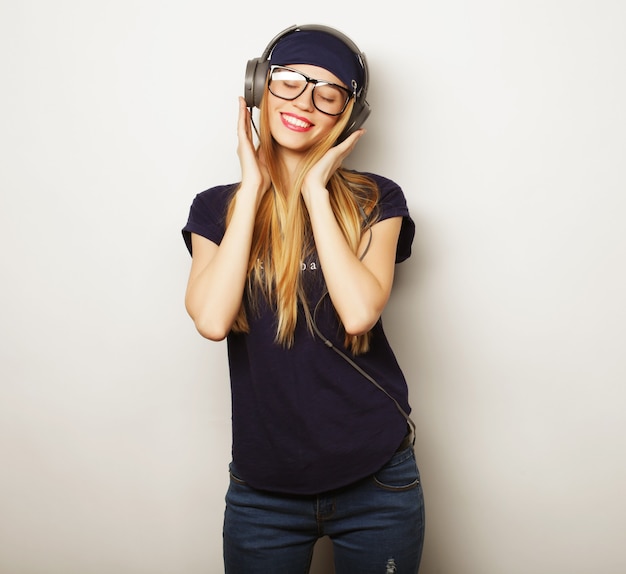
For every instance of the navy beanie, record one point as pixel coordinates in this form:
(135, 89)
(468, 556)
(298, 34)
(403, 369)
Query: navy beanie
(321, 49)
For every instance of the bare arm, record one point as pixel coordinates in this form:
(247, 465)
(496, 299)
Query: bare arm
(359, 289)
(218, 273)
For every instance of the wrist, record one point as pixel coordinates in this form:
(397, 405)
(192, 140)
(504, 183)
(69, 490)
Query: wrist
(315, 195)
(316, 199)
(251, 191)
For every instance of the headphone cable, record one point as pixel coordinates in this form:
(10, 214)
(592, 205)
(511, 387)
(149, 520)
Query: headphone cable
(355, 366)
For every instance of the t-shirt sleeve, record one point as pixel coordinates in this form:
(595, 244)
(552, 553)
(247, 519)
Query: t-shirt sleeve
(393, 204)
(207, 214)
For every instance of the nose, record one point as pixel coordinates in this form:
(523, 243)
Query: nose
(305, 100)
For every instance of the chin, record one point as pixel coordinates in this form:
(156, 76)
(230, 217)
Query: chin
(295, 142)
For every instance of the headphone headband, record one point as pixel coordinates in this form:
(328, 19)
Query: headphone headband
(257, 69)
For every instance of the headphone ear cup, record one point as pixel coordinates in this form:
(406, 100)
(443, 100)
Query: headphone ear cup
(360, 113)
(248, 87)
(256, 73)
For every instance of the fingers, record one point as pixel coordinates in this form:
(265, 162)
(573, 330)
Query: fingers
(336, 154)
(341, 151)
(243, 122)
(347, 145)
(253, 168)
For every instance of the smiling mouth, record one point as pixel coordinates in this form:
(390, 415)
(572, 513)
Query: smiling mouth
(295, 122)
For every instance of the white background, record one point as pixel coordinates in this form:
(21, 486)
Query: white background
(504, 123)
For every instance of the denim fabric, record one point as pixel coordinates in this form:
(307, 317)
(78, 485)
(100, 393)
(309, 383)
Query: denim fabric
(376, 525)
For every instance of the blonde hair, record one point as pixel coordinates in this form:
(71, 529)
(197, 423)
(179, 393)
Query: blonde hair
(274, 267)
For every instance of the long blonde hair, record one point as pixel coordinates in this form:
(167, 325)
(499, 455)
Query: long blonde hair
(282, 236)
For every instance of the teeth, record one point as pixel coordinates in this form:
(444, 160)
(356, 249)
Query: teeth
(296, 122)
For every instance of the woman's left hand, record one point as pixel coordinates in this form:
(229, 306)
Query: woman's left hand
(321, 172)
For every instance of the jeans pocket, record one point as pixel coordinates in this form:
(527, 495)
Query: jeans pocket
(400, 473)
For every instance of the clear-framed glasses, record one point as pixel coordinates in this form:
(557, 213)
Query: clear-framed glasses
(287, 84)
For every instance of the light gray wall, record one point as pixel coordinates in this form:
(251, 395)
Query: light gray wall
(503, 121)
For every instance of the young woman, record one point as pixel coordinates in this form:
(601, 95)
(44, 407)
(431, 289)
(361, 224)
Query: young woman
(294, 265)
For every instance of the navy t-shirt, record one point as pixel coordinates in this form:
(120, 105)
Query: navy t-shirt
(304, 420)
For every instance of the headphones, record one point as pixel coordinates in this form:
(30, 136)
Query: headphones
(258, 68)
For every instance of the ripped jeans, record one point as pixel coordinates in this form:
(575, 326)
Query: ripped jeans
(376, 525)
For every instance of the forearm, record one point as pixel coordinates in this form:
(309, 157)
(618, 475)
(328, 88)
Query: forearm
(358, 294)
(217, 279)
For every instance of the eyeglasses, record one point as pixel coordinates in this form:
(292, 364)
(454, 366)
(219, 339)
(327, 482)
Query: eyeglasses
(288, 84)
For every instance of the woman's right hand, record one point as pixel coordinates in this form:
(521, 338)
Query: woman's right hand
(218, 274)
(254, 172)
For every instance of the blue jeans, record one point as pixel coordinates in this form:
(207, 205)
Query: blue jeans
(376, 525)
